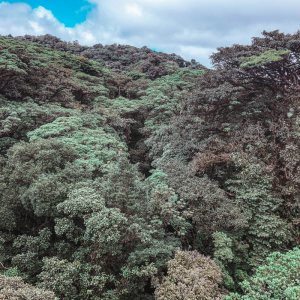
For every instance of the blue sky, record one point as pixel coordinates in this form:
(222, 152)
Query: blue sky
(69, 12)
(189, 28)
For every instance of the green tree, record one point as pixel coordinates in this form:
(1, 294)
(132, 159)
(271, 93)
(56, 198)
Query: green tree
(278, 279)
(190, 276)
(15, 288)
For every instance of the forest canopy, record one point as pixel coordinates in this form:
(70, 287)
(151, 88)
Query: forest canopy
(127, 173)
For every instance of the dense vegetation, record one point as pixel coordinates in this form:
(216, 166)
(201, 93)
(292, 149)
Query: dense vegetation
(127, 173)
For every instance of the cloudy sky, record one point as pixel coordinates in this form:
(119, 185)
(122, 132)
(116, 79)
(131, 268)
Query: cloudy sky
(190, 28)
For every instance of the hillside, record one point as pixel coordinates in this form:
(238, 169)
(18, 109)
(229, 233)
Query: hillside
(119, 58)
(133, 174)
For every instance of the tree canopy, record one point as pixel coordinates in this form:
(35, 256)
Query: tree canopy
(127, 173)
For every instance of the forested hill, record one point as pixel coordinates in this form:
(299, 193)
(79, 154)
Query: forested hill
(119, 58)
(127, 173)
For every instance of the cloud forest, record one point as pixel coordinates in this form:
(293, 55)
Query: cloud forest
(131, 174)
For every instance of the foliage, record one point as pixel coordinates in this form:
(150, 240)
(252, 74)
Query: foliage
(30, 70)
(19, 118)
(267, 231)
(278, 278)
(269, 56)
(190, 276)
(96, 148)
(119, 58)
(234, 130)
(111, 237)
(15, 288)
(112, 157)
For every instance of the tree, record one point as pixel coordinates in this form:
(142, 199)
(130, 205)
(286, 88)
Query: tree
(278, 279)
(15, 288)
(191, 276)
(238, 128)
(112, 157)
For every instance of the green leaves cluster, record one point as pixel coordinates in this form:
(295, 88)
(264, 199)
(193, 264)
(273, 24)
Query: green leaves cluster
(278, 278)
(267, 57)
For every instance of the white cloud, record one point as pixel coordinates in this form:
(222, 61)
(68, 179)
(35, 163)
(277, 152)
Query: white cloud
(36, 27)
(190, 28)
(20, 19)
(41, 13)
(133, 10)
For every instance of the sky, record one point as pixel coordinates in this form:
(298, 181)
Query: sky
(192, 29)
